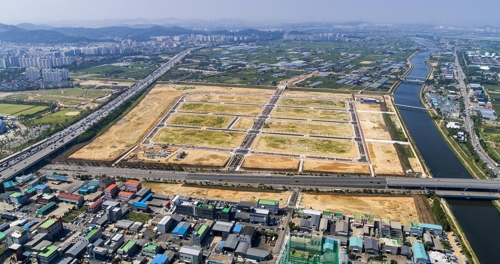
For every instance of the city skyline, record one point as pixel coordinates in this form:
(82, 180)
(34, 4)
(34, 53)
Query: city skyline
(58, 13)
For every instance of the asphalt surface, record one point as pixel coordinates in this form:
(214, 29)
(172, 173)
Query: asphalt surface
(18, 162)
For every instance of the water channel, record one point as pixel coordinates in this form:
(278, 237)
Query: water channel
(479, 219)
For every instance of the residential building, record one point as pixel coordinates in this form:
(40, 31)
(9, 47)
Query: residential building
(356, 244)
(190, 254)
(165, 224)
(76, 199)
(133, 186)
(32, 73)
(419, 254)
(151, 250)
(47, 254)
(52, 227)
(111, 191)
(272, 205)
(181, 230)
(200, 234)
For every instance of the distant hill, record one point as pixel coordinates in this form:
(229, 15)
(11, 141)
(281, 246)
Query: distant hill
(29, 26)
(15, 34)
(124, 32)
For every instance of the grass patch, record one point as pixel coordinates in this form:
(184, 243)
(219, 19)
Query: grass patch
(395, 132)
(195, 137)
(404, 152)
(58, 117)
(309, 128)
(311, 114)
(184, 88)
(201, 120)
(313, 103)
(10, 109)
(139, 217)
(73, 213)
(32, 110)
(222, 109)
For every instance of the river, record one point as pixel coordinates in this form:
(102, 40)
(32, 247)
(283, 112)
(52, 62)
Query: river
(478, 219)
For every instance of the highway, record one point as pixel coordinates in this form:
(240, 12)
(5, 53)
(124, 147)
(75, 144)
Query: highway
(276, 180)
(18, 162)
(468, 123)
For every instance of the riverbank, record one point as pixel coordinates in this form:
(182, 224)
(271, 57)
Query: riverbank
(457, 229)
(496, 203)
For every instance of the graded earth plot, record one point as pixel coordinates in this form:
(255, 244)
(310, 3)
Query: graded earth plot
(199, 137)
(190, 157)
(270, 162)
(200, 120)
(303, 127)
(313, 103)
(400, 209)
(244, 99)
(244, 123)
(312, 114)
(368, 107)
(373, 125)
(317, 95)
(217, 194)
(306, 146)
(99, 83)
(314, 165)
(229, 109)
(384, 159)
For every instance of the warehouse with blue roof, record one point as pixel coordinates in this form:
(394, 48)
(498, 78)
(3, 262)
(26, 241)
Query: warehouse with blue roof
(3, 127)
(181, 229)
(419, 254)
(436, 230)
(159, 259)
(42, 188)
(9, 186)
(56, 177)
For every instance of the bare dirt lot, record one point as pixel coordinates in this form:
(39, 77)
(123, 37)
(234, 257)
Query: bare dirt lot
(217, 194)
(199, 137)
(309, 128)
(193, 157)
(200, 120)
(311, 114)
(313, 103)
(400, 209)
(306, 146)
(368, 107)
(244, 123)
(266, 162)
(318, 95)
(137, 123)
(313, 165)
(230, 98)
(373, 126)
(105, 83)
(221, 108)
(384, 158)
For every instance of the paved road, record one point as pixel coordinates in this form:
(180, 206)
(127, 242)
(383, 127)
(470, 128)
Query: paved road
(17, 163)
(468, 123)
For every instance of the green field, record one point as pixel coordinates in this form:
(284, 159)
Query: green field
(133, 71)
(57, 118)
(311, 114)
(31, 111)
(10, 109)
(201, 120)
(313, 103)
(65, 96)
(222, 108)
(201, 138)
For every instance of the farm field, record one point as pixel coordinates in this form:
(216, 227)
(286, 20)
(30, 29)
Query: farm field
(200, 120)
(309, 128)
(306, 146)
(244, 123)
(221, 108)
(198, 137)
(311, 114)
(127, 132)
(59, 117)
(269, 162)
(384, 159)
(313, 103)
(373, 125)
(229, 98)
(313, 165)
(217, 194)
(400, 209)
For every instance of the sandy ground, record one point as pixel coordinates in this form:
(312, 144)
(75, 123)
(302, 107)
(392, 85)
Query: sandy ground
(137, 123)
(338, 104)
(217, 194)
(313, 95)
(400, 209)
(306, 113)
(270, 162)
(72, 113)
(194, 157)
(310, 128)
(230, 98)
(244, 123)
(106, 83)
(366, 62)
(229, 109)
(368, 107)
(306, 146)
(415, 165)
(2, 94)
(199, 137)
(313, 165)
(373, 126)
(384, 158)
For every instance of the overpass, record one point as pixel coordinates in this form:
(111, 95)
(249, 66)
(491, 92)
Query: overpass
(414, 79)
(20, 161)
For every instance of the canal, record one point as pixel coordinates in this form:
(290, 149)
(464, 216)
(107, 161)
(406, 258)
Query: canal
(478, 219)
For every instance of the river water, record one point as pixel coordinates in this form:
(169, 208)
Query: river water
(480, 220)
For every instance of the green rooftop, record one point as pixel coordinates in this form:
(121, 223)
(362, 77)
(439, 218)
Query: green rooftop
(151, 247)
(327, 213)
(339, 214)
(91, 233)
(370, 218)
(225, 210)
(48, 223)
(415, 225)
(127, 246)
(201, 230)
(207, 206)
(267, 202)
(16, 194)
(358, 217)
(47, 196)
(46, 207)
(46, 252)
(2, 236)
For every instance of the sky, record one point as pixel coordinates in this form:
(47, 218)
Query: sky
(438, 12)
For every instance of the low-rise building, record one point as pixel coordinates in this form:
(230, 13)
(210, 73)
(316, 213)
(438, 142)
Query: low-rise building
(46, 209)
(165, 224)
(76, 199)
(231, 243)
(18, 198)
(419, 254)
(272, 205)
(160, 259)
(181, 230)
(45, 198)
(215, 258)
(125, 196)
(222, 228)
(52, 227)
(200, 234)
(396, 229)
(190, 254)
(371, 245)
(128, 249)
(47, 254)
(356, 244)
(248, 235)
(342, 228)
(151, 250)
(91, 234)
(260, 216)
(206, 211)
(19, 236)
(389, 246)
(95, 206)
(42, 188)
(133, 186)
(111, 191)
(77, 250)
